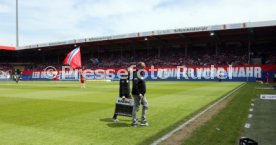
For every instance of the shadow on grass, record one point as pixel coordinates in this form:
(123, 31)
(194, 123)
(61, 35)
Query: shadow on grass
(121, 123)
(106, 119)
(118, 124)
(110, 119)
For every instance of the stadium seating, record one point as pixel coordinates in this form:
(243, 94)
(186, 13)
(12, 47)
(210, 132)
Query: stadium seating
(173, 57)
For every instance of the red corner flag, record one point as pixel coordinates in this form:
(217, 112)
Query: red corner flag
(73, 58)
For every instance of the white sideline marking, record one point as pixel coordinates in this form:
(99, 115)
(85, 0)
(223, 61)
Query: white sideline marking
(247, 125)
(250, 116)
(166, 136)
(251, 109)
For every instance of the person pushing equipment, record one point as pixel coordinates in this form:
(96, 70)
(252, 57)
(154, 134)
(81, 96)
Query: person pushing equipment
(138, 92)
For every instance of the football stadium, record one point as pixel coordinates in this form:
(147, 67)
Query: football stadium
(201, 85)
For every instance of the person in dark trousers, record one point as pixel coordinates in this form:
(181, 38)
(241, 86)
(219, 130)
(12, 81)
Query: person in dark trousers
(124, 92)
(267, 77)
(17, 75)
(138, 92)
(220, 78)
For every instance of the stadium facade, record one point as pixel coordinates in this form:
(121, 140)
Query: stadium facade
(252, 44)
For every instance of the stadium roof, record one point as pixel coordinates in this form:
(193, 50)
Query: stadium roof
(188, 30)
(7, 48)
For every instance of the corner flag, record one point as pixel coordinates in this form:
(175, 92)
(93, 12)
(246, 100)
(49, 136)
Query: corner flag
(73, 58)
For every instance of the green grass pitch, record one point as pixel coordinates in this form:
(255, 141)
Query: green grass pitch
(63, 113)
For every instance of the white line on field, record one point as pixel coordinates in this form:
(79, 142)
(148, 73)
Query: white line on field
(251, 109)
(252, 104)
(247, 125)
(250, 116)
(166, 136)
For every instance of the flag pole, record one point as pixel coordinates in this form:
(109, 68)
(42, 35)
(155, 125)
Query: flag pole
(17, 35)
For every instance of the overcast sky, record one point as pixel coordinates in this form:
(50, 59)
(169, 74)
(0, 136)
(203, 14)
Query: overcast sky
(48, 21)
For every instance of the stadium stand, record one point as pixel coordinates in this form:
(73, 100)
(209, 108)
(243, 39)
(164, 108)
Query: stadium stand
(174, 57)
(236, 44)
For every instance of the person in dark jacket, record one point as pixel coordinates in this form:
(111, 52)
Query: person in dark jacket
(17, 75)
(138, 92)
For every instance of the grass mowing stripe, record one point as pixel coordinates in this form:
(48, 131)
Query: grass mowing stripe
(44, 110)
(63, 115)
(226, 127)
(166, 136)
